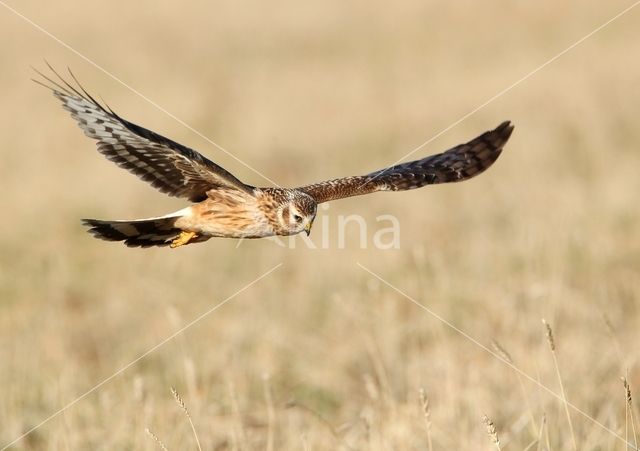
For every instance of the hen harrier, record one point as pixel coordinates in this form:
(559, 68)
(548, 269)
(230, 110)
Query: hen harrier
(223, 206)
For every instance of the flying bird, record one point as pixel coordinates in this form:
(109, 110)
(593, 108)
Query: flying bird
(222, 205)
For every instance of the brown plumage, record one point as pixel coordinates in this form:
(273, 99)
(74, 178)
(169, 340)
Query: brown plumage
(459, 163)
(223, 205)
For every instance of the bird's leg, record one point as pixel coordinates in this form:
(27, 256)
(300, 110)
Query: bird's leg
(182, 239)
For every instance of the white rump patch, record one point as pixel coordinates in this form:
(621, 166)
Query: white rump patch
(184, 212)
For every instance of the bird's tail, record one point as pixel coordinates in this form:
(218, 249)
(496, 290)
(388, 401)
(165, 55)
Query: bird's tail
(137, 233)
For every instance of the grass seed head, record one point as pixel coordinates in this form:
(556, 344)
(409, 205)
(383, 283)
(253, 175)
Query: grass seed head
(180, 401)
(156, 439)
(627, 390)
(491, 430)
(549, 335)
(501, 352)
(426, 410)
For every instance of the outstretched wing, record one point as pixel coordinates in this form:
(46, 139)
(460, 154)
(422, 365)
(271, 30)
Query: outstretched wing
(168, 166)
(459, 163)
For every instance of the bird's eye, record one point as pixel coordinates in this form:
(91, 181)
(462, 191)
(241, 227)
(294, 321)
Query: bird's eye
(297, 218)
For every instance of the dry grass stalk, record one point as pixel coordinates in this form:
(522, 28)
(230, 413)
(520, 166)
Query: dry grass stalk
(611, 330)
(270, 412)
(366, 417)
(552, 346)
(491, 430)
(293, 404)
(543, 423)
(502, 353)
(182, 405)
(629, 414)
(380, 372)
(305, 442)
(156, 439)
(426, 410)
(371, 387)
(240, 433)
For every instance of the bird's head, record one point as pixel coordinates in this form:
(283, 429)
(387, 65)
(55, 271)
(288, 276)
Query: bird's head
(297, 213)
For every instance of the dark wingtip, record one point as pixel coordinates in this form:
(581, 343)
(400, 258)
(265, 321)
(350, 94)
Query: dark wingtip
(502, 133)
(91, 222)
(505, 129)
(102, 230)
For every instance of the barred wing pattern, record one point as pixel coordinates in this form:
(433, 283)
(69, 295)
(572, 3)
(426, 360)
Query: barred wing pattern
(459, 163)
(168, 166)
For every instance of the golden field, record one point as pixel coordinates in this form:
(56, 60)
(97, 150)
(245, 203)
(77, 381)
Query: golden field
(320, 353)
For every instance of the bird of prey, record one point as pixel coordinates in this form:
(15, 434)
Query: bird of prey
(222, 205)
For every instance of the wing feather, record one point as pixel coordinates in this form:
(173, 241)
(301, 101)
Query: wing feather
(167, 165)
(459, 163)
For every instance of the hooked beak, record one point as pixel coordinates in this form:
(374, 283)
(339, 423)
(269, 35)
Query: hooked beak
(307, 228)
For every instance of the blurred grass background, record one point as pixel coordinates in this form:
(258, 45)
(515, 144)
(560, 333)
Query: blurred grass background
(320, 354)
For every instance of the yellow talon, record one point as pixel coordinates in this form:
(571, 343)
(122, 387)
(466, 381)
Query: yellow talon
(183, 238)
